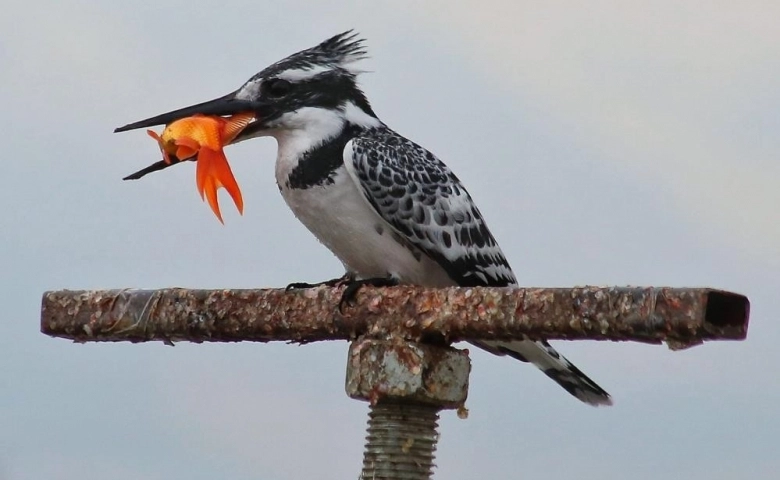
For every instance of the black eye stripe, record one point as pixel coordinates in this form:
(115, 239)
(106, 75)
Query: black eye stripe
(276, 87)
(326, 90)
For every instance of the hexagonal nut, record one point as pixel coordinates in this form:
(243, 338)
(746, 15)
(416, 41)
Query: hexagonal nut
(409, 371)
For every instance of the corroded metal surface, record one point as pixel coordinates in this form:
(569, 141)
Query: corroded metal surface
(407, 383)
(401, 441)
(380, 370)
(681, 317)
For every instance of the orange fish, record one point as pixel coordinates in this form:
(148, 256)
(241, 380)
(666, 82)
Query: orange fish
(203, 137)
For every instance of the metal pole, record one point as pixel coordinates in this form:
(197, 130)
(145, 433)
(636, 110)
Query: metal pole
(401, 441)
(407, 384)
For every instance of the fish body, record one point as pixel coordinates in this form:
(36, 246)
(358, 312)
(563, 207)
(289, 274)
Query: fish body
(202, 138)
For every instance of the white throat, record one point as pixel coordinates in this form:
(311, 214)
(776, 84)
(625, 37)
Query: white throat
(306, 128)
(302, 130)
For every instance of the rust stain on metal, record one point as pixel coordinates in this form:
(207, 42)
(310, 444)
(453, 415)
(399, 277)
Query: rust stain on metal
(409, 371)
(681, 317)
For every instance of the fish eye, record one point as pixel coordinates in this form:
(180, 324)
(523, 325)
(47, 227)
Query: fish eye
(277, 87)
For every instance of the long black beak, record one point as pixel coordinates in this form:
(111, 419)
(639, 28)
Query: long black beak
(156, 166)
(227, 105)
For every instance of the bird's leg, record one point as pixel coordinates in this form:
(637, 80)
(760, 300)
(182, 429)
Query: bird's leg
(335, 282)
(348, 296)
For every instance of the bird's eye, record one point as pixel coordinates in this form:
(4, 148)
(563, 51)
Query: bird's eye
(277, 87)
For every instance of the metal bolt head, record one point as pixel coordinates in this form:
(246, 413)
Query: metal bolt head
(408, 371)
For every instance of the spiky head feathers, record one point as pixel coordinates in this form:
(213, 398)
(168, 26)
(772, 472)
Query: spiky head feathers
(337, 54)
(319, 77)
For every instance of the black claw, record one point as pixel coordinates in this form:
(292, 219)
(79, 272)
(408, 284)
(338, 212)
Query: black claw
(334, 282)
(299, 286)
(349, 293)
(337, 282)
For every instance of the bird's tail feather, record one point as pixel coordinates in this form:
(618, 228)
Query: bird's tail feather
(554, 365)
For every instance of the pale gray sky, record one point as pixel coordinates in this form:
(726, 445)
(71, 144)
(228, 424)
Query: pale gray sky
(609, 143)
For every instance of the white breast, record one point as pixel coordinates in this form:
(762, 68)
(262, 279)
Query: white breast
(339, 216)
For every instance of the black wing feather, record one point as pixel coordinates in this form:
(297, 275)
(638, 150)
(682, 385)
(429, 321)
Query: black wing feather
(426, 203)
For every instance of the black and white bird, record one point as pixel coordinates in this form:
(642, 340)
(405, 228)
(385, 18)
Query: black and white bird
(389, 209)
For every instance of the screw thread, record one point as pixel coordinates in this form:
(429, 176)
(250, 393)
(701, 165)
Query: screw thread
(400, 442)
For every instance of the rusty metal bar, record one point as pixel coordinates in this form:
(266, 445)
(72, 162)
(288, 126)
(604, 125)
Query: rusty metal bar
(681, 317)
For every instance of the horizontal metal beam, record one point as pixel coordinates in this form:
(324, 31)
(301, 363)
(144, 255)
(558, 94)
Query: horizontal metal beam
(680, 317)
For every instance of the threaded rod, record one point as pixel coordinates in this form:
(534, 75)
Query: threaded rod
(401, 440)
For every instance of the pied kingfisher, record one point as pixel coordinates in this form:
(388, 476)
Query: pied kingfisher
(389, 209)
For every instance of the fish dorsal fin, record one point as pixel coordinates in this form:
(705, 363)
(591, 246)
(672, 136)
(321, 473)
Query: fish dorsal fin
(235, 125)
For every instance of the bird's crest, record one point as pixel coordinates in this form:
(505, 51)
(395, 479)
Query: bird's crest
(339, 52)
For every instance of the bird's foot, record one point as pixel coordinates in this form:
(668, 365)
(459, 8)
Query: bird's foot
(348, 296)
(335, 282)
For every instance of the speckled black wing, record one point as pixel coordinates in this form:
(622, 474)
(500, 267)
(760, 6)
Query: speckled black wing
(427, 205)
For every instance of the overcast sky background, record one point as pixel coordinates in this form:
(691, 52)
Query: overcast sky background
(607, 143)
